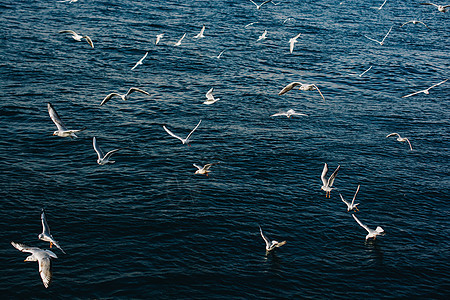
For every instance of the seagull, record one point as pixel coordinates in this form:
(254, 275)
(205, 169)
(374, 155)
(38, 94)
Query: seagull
(351, 205)
(140, 61)
(124, 97)
(382, 41)
(270, 245)
(158, 38)
(415, 22)
(327, 184)
(210, 97)
(179, 41)
(43, 257)
(250, 24)
(200, 35)
(45, 235)
(259, 6)
(203, 170)
(371, 233)
(360, 75)
(186, 140)
(62, 129)
(379, 8)
(220, 54)
(70, 1)
(288, 19)
(303, 87)
(425, 91)
(103, 158)
(262, 36)
(292, 41)
(441, 8)
(78, 37)
(288, 114)
(400, 139)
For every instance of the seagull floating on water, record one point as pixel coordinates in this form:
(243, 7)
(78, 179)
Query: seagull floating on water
(158, 38)
(400, 139)
(270, 245)
(382, 41)
(351, 205)
(425, 91)
(45, 235)
(441, 8)
(292, 41)
(78, 37)
(62, 129)
(371, 233)
(262, 36)
(179, 41)
(288, 114)
(203, 170)
(43, 257)
(303, 87)
(259, 6)
(379, 8)
(415, 22)
(140, 61)
(210, 98)
(186, 140)
(200, 35)
(124, 97)
(103, 158)
(328, 183)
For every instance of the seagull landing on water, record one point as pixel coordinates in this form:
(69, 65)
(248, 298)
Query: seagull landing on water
(124, 97)
(43, 257)
(103, 158)
(259, 6)
(203, 170)
(303, 87)
(415, 22)
(210, 98)
(62, 129)
(328, 183)
(45, 235)
(270, 245)
(292, 42)
(288, 114)
(425, 91)
(400, 139)
(140, 61)
(200, 35)
(186, 140)
(371, 233)
(351, 205)
(179, 41)
(158, 38)
(78, 37)
(441, 8)
(382, 41)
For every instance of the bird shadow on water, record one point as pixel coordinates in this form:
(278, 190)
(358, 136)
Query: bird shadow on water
(374, 249)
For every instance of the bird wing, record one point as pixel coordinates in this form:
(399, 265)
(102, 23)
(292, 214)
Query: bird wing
(170, 132)
(88, 39)
(108, 155)
(97, 148)
(387, 34)
(267, 1)
(289, 87)
(409, 143)
(372, 39)
(361, 224)
(24, 248)
(429, 4)
(208, 166)
(394, 133)
(412, 94)
(189, 135)
(45, 227)
(324, 173)
(407, 23)
(319, 92)
(68, 31)
(45, 269)
(179, 41)
(279, 114)
(354, 197)
(108, 97)
(343, 200)
(133, 89)
(209, 94)
(265, 238)
(55, 117)
(202, 30)
(254, 3)
(333, 176)
(424, 24)
(437, 84)
(197, 166)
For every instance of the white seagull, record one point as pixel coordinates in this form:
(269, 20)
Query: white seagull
(400, 139)
(203, 170)
(292, 41)
(200, 35)
(360, 75)
(179, 41)
(379, 8)
(328, 183)
(103, 158)
(250, 24)
(288, 114)
(43, 257)
(78, 37)
(45, 235)
(158, 38)
(371, 233)
(262, 36)
(270, 245)
(351, 205)
(140, 61)
(415, 22)
(441, 8)
(425, 91)
(210, 98)
(303, 87)
(259, 6)
(62, 129)
(186, 140)
(124, 97)
(382, 41)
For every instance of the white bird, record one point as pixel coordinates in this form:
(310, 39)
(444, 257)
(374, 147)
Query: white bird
(124, 97)
(179, 41)
(262, 36)
(210, 98)
(200, 35)
(328, 183)
(270, 245)
(288, 113)
(351, 205)
(45, 235)
(186, 140)
(259, 6)
(360, 75)
(292, 41)
(250, 24)
(158, 38)
(103, 158)
(400, 139)
(220, 54)
(70, 1)
(62, 129)
(43, 257)
(371, 233)
(441, 8)
(78, 37)
(288, 19)
(140, 61)
(379, 8)
(382, 41)
(303, 87)
(425, 91)
(203, 170)
(415, 22)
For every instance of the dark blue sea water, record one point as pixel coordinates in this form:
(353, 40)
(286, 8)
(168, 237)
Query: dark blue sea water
(147, 227)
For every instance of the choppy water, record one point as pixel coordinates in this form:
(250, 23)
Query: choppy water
(146, 227)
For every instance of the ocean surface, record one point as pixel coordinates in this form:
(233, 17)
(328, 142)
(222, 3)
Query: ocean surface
(146, 227)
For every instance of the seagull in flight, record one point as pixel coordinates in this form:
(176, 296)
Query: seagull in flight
(78, 37)
(186, 140)
(262, 36)
(303, 87)
(270, 245)
(292, 41)
(288, 114)
(400, 139)
(200, 35)
(103, 158)
(382, 41)
(425, 91)
(360, 75)
(351, 205)
(62, 129)
(210, 98)
(379, 8)
(371, 233)
(124, 97)
(203, 170)
(179, 41)
(250, 24)
(259, 6)
(43, 257)
(45, 235)
(441, 8)
(328, 183)
(140, 61)
(415, 22)
(158, 38)
(220, 54)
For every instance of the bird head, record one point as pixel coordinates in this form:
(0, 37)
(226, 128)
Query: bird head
(55, 133)
(41, 236)
(379, 230)
(30, 258)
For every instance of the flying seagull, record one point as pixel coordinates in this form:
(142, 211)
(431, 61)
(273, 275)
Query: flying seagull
(360, 75)
(62, 129)
(210, 98)
(220, 54)
(262, 36)
(203, 170)
(158, 38)
(415, 22)
(270, 245)
(400, 139)
(328, 183)
(371, 233)
(303, 87)
(140, 61)
(103, 158)
(382, 41)
(259, 6)
(186, 140)
(124, 97)
(441, 8)
(45, 235)
(288, 114)
(200, 35)
(179, 41)
(292, 41)
(351, 205)
(78, 37)
(379, 8)
(425, 91)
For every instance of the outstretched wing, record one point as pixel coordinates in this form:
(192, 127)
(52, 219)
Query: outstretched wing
(108, 97)
(333, 176)
(324, 173)
(108, 155)
(88, 39)
(170, 132)
(265, 238)
(45, 227)
(372, 39)
(133, 89)
(361, 224)
(55, 117)
(45, 269)
(343, 200)
(289, 87)
(392, 134)
(437, 84)
(354, 197)
(209, 94)
(319, 92)
(189, 135)
(387, 34)
(197, 166)
(24, 248)
(68, 31)
(97, 148)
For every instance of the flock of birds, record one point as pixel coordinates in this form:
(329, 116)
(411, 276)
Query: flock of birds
(44, 257)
